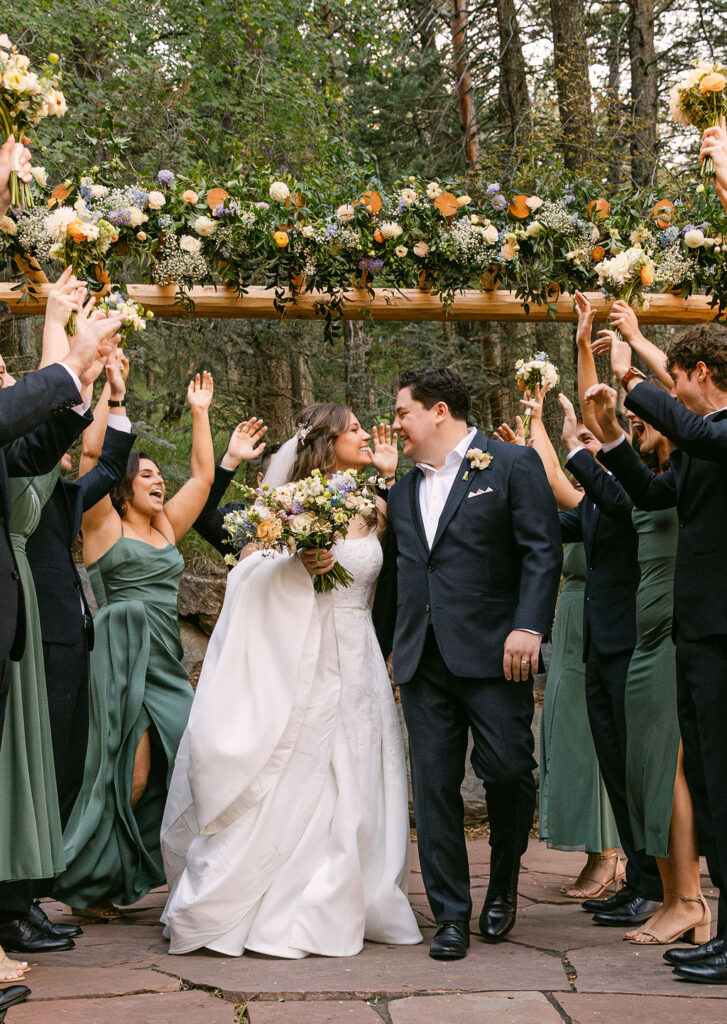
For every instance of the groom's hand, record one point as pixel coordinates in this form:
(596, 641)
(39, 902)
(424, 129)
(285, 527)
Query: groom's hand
(522, 652)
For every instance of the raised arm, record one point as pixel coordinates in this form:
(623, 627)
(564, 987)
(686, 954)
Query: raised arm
(181, 510)
(566, 495)
(92, 469)
(714, 144)
(624, 319)
(587, 375)
(62, 301)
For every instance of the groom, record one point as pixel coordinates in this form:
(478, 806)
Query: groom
(478, 557)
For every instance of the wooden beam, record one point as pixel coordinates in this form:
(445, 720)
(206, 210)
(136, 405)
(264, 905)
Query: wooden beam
(409, 305)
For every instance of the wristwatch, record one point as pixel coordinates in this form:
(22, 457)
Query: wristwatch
(629, 376)
(116, 403)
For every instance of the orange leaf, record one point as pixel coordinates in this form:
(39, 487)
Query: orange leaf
(59, 194)
(372, 201)
(599, 209)
(215, 196)
(663, 213)
(447, 204)
(297, 198)
(519, 208)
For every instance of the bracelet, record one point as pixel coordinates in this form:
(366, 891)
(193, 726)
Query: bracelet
(116, 403)
(388, 479)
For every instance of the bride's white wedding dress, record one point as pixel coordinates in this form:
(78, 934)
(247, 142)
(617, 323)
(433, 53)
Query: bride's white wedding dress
(286, 830)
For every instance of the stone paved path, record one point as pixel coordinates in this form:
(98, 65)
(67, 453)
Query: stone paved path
(558, 967)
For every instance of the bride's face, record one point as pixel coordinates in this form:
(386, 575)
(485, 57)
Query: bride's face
(352, 447)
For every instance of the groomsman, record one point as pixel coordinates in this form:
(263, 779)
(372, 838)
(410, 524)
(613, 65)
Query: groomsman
(696, 421)
(478, 557)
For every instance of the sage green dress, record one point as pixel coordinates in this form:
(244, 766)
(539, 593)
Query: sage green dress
(652, 727)
(138, 682)
(31, 839)
(575, 812)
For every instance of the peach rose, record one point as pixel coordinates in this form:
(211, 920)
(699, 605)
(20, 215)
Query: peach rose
(647, 274)
(189, 196)
(269, 530)
(712, 83)
(281, 238)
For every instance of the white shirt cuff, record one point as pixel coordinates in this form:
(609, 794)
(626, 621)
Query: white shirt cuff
(533, 631)
(122, 423)
(574, 451)
(83, 406)
(608, 445)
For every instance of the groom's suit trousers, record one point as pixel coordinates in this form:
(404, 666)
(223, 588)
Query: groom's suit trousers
(440, 709)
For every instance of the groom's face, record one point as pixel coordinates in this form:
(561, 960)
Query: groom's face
(415, 424)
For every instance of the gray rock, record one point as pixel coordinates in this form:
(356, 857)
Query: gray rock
(200, 599)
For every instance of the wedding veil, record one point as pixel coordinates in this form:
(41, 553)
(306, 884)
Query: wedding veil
(281, 465)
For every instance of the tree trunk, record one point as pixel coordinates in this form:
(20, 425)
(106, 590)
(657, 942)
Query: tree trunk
(514, 96)
(644, 92)
(465, 88)
(615, 113)
(570, 53)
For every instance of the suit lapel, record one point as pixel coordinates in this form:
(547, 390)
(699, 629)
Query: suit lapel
(416, 513)
(462, 483)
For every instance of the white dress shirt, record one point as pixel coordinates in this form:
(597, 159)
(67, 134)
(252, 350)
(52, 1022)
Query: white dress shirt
(118, 422)
(435, 485)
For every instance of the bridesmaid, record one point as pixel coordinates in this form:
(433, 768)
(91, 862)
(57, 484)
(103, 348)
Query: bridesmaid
(140, 691)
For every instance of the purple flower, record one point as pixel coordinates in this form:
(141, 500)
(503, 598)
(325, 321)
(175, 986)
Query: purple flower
(689, 227)
(221, 211)
(165, 177)
(402, 207)
(330, 230)
(499, 202)
(569, 198)
(343, 483)
(493, 189)
(370, 263)
(119, 218)
(296, 508)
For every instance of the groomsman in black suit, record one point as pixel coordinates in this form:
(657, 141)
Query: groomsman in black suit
(602, 521)
(478, 558)
(696, 421)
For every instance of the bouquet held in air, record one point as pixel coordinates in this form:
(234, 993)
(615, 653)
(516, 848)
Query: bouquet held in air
(135, 316)
(308, 514)
(699, 98)
(26, 97)
(535, 372)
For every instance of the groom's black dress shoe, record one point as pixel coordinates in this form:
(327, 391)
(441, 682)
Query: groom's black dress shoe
(693, 954)
(619, 899)
(21, 936)
(11, 997)
(710, 971)
(636, 911)
(451, 941)
(498, 917)
(37, 916)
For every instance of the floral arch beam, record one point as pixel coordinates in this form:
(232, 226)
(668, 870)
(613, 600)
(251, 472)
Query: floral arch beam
(410, 305)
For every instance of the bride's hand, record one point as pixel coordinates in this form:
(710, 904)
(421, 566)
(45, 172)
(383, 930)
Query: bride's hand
(317, 561)
(386, 450)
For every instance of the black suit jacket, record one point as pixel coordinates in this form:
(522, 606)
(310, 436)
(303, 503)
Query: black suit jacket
(36, 427)
(603, 522)
(61, 601)
(209, 523)
(697, 485)
(494, 565)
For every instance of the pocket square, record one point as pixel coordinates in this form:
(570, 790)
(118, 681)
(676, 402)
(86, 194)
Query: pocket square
(476, 494)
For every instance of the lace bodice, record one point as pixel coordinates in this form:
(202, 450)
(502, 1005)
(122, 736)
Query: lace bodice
(363, 557)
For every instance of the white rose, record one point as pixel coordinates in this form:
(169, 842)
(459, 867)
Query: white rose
(345, 213)
(205, 226)
(278, 191)
(491, 235)
(390, 229)
(32, 85)
(137, 217)
(8, 226)
(421, 249)
(408, 196)
(534, 229)
(694, 238)
(401, 250)
(189, 244)
(80, 206)
(533, 202)
(39, 176)
(14, 79)
(156, 200)
(433, 189)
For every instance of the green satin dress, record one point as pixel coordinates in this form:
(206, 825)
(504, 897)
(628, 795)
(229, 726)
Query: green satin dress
(138, 682)
(31, 838)
(575, 812)
(652, 727)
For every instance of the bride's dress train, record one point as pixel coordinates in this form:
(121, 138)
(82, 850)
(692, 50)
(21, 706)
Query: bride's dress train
(286, 830)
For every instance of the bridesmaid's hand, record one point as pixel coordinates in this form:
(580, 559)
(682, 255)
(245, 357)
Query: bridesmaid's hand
(317, 561)
(386, 450)
(200, 391)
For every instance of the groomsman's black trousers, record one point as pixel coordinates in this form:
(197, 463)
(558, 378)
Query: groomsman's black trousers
(606, 704)
(440, 709)
(702, 706)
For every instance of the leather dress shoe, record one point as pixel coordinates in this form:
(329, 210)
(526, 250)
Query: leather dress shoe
(21, 936)
(497, 918)
(37, 916)
(691, 955)
(619, 899)
(451, 941)
(636, 911)
(11, 997)
(710, 971)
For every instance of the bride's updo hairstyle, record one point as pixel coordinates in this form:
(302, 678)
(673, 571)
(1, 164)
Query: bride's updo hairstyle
(317, 429)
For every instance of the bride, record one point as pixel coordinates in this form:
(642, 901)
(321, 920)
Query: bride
(286, 830)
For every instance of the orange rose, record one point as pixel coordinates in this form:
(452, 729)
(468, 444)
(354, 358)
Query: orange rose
(647, 275)
(75, 231)
(269, 530)
(714, 82)
(281, 238)
(597, 253)
(378, 237)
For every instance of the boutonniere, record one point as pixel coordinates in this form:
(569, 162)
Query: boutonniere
(478, 460)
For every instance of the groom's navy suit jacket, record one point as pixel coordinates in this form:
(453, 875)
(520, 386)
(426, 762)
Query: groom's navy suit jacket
(494, 564)
(697, 485)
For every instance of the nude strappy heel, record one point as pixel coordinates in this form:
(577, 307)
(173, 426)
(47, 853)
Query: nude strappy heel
(697, 934)
(577, 892)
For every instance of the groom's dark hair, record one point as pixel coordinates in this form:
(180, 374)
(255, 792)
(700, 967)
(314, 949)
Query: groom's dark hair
(431, 385)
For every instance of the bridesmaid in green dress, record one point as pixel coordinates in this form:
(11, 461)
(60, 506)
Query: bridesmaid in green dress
(140, 692)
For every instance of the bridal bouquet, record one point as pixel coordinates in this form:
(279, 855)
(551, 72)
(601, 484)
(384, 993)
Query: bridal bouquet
(26, 97)
(625, 275)
(135, 316)
(698, 97)
(308, 514)
(535, 372)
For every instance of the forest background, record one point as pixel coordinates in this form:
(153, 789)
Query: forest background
(554, 89)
